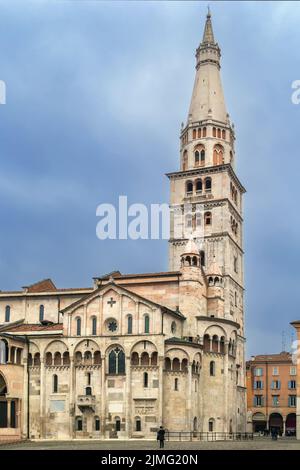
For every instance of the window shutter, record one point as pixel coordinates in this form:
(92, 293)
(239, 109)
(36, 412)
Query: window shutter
(290, 384)
(279, 384)
(262, 384)
(262, 401)
(255, 384)
(272, 385)
(254, 401)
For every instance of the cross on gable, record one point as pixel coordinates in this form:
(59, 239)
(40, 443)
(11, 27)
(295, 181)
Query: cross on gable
(111, 302)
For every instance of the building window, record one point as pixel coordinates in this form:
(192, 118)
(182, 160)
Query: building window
(97, 423)
(212, 368)
(118, 423)
(112, 326)
(292, 384)
(173, 327)
(211, 423)
(197, 157)
(258, 385)
(258, 400)
(146, 379)
(176, 385)
(292, 400)
(293, 370)
(275, 371)
(138, 424)
(41, 314)
(89, 378)
(78, 424)
(208, 184)
(147, 324)
(78, 326)
(207, 218)
(55, 383)
(235, 264)
(88, 391)
(199, 186)
(275, 400)
(258, 372)
(275, 385)
(189, 188)
(116, 362)
(94, 326)
(129, 324)
(7, 313)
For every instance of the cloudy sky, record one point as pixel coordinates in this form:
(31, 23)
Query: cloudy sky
(96, 93)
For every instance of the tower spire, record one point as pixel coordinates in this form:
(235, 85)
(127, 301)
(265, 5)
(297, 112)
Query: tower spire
(208, 34)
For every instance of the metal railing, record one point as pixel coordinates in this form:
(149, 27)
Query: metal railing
(207, 436)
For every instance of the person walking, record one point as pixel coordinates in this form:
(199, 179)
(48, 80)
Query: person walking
(161, 437)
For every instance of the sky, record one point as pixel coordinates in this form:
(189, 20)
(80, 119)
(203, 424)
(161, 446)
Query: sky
(95, 95)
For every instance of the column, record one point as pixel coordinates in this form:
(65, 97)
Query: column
(42, 397)
(226, 372)
(128, 399)
(24, 409)
(161, 360)
(189, 398)
(72, 404)
(8, 412)
(103, 397)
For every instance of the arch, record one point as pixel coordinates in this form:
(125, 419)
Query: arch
(154, 358)
(189, 187)
(176, 364)
(211, 425)
(3, 386)
(3, 351)
(41, 313)
(259, 422)
(206, 343)
(129, 324)
(7, 314)
(208, 184)
(55, 383)
(199, 185)
(97, 423)
(194, 261)
(97, 357)
(134, 359)
(194, 133)
(116, 361)
(212, 368)
(48, 359)
(197, 157)
(19, 356)
(37, 359)
(290, 424)
(218, 155)
(195, 424)
(199, 133)
(219, 133)
(78, 357)
(204, 131)
(215, 343)
(78, 423)
(87, 358)
(145, 361)
(29, 359)
(88, 391)
(276, 423)
(57, 359)
(167, 363)
(214, 132)
(66, 358)
(223, 134)
(146, 324)
(184, 365)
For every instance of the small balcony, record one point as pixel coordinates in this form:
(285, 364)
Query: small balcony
(86, 401)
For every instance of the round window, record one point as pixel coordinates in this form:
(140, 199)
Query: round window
(112, 326)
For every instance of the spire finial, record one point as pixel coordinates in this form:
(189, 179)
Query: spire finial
(208, 12)
(208, 35)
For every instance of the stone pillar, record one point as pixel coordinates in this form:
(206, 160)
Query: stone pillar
(161, 360)
(8, 412)
(189, 398)
(128, 399)
(42, 398)
(103, 398)
(72, 403)
(23, 404)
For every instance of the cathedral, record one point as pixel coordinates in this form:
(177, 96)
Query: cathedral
(133, 352)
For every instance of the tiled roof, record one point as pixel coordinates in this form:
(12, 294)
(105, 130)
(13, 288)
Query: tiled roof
(283, 356)
(31, 327)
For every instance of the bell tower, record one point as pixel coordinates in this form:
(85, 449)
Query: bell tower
(206, 194)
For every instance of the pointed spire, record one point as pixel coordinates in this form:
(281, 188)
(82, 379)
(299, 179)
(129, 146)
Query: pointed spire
(191, 248)
(208, 35)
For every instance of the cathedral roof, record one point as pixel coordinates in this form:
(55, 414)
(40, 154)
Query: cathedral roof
(191, 248)
(214, 269)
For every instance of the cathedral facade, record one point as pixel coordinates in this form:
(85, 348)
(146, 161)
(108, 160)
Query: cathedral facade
(136, 351)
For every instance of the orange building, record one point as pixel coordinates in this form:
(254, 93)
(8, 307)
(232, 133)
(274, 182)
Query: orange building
(271, 393)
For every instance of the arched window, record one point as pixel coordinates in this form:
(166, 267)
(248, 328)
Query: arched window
(212, 368)
(223, 134)
(218, 155)
(184, 160)
(199, 133)
(202, 157)
(116, 362)
(134, 359)
(176, 384)
(147, 324)
(97, 357)
(129, 324)
(55, 383)
(211, 425)
(88, 378)
(194, 134)
(207, 218)
(57, 359)
(146, 379)
(189, 187)
(88, 391)
(41, 314)
(202, 258)
(138, 424)
(197, 157)
(78, 326)
(145, 360)
(94, 326)
(199, 186)
(214, 132)
(176, 364)
(207, 184)
(66, 358)
(48, 360)
(7, 313)
(204, 131)
(219, 133)
(78, 357)
(37, 359)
